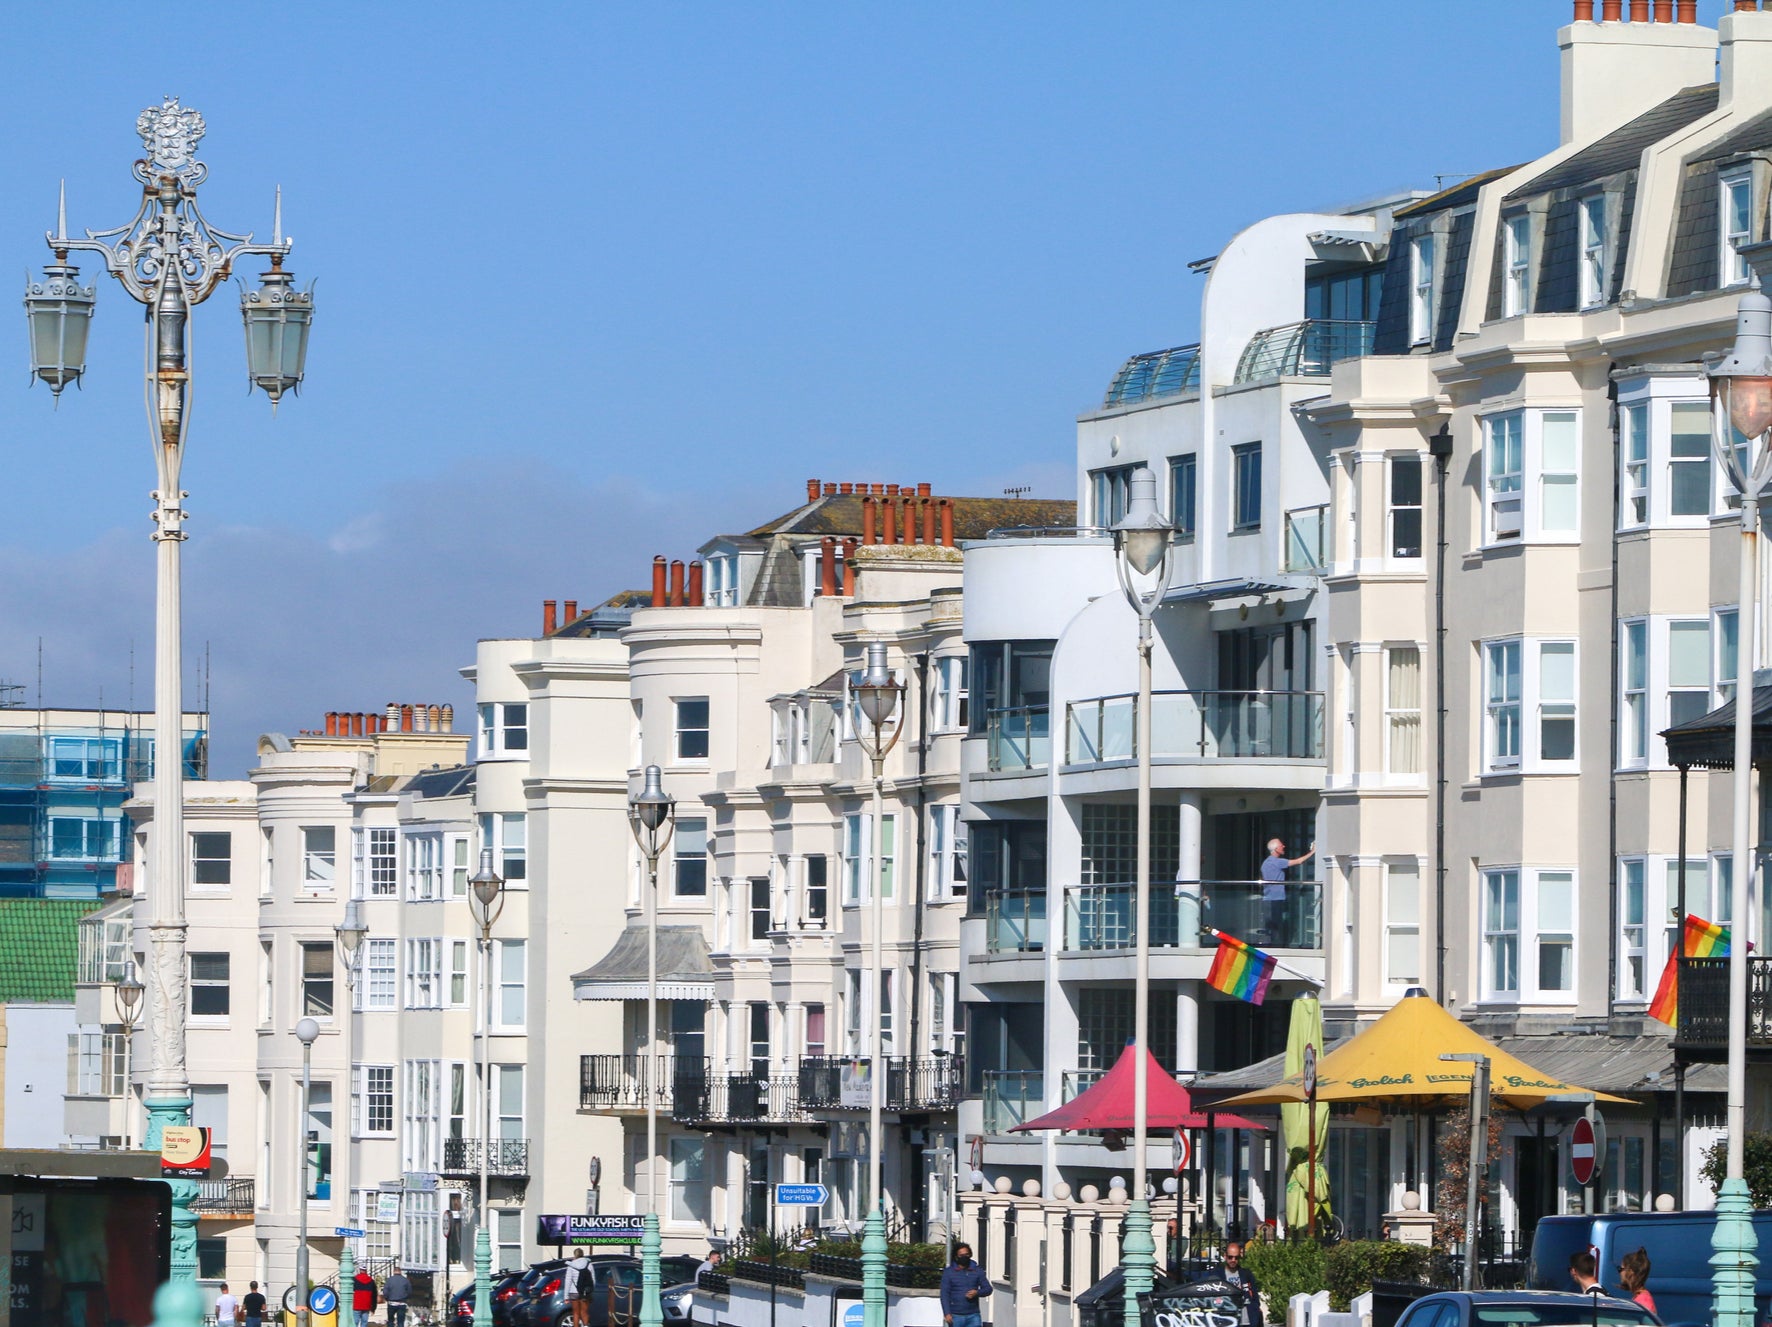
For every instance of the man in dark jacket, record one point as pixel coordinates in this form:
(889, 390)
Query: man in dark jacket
(963, 1286)
(1244, 1281)
(396, 1290)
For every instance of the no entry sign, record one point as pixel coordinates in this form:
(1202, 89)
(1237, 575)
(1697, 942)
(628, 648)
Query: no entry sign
(1584, 1152)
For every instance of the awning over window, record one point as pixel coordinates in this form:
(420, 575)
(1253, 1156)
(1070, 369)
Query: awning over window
(685, 972)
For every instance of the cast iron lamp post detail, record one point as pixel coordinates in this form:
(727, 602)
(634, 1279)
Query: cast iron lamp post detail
(652, 815)
(1141, 547)
(1741, 414)
(486, 902)
(876, 696)
(170, 259)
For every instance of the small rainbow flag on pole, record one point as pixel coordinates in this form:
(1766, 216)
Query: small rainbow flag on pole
(1701, 939)
(1240, 969)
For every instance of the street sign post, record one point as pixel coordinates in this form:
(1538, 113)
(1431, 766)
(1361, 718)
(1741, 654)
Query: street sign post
(349, 1232)
(801, 1195)
(1587, 1153)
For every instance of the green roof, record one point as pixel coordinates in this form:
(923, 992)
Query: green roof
(39, 948)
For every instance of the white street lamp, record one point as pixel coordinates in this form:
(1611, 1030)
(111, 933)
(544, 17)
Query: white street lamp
(1741, 413)
(129, 998)
(170, 259)
(305, 1032)
(876, 696)
(652, 816)
(348, 937)
(1141, 545)
(485, 902)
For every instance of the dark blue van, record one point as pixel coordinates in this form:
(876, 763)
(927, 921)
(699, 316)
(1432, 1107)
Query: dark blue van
(1678, 1244)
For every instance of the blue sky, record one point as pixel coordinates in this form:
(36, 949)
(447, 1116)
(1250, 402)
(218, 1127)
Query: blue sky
(596, 281)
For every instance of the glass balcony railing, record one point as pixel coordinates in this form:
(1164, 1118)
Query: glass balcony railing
(1303, 350)
(1184, 914)
(1307, 531)
(1199, 725)
(1015, 921)
(1019, 738)
(1012, 1097)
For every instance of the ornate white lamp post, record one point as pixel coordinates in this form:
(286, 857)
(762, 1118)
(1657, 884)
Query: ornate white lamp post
(652, 815)
(348, 937)
(1741, 396)
(129, 1002)
(1141, 546)
(485, 901)
(306, 1030)
(170, 259)
(877, 696)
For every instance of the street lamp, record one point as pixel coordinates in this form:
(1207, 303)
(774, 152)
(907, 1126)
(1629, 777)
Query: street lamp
(169, 258)
(1741, 408)
(348, 936)
(129, 998)
(652, 816)
(485, 901)
(876, 696)
(305, 1032)
(1141, 547)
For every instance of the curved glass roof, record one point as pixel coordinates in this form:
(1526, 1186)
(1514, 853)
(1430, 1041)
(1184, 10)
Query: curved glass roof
(1171, 372)
(1303, 350)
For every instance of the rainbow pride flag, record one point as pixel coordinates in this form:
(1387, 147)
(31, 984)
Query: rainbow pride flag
(1240, 969)
(1700, 939)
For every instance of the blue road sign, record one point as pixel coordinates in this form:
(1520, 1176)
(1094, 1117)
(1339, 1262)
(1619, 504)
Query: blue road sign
(349, 1232)
(801, 1195)
(854, 1315)
(323, 1300)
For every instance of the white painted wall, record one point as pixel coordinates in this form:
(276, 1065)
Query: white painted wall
(36, 1073)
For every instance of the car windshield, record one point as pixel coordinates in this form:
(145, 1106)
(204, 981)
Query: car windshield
(1612, 1312)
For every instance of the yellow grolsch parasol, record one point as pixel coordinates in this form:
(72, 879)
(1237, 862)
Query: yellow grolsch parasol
(1397, 1060)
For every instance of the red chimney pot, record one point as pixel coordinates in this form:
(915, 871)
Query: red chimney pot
(569, 612)
(658, 581)
(695, 590)
(1639, 11)
(830, 490)
(947, 522)
(1584, 11)
(676, 598)
(879, 490)
(928, 517)
(1687, 11)
(1611, 11)
(868, 517)
(827, 566)
(548, 620)
(892, 490)
(332, 723)
(845, 489)
(812, 490)
(890, 534)
(406, 718)
(1664, 11)
(849, 569)
(924, 490)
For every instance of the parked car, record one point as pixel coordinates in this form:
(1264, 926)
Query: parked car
(1679, 1254)
(676, 1268)
(544, 1302)
(1523, 1308)
(504, 1291)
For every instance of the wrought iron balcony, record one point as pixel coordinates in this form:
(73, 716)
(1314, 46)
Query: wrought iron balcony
(1303, 350)
(737, 1099)
(230, 1197)
(505, 1156)
(913, 1083)
(626, 1082)
(1703, 1029)
(1184, 913)
(1199, 725)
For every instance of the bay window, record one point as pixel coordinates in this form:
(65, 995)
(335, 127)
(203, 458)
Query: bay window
(1501, 690)
(1530, 912)
(1532, 476)
(1402, 922)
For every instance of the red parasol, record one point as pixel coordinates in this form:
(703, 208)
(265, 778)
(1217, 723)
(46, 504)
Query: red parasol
(1107, 1105)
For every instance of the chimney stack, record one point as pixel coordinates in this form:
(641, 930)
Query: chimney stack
(548, 621)
(1613, 71)
(658, 581)
(695, 591)
(1746, 64)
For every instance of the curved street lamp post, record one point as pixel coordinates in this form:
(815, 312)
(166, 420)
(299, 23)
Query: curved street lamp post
(486, 902)
(170, 259)
(652, 815)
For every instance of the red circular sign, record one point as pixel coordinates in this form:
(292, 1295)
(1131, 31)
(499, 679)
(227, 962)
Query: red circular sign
(1583, 1154)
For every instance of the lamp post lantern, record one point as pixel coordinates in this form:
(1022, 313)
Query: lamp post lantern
(486, 902)
(1141, 548)
(348, 936)
(877, 696)
(129, 999)
(1741, 414)
(652, 815)
(170, 259)
(305, 1031)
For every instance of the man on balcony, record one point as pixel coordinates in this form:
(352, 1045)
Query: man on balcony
(1273, 890)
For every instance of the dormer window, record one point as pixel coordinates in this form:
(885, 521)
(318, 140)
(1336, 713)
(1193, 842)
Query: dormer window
(1516, 243)
(1735, 215)
(722, 581)
(1421, 290)
(1593, 251)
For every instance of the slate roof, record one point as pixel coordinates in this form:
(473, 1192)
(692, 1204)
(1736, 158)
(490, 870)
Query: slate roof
(1622, 149)
(685, 970)
(1696, 250)
(1462, 194)
(974, 518)
(455, 781)
(39, 948)
(1708, 742)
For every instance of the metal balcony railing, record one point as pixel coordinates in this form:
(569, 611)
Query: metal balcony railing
(1019, 738)
(1012, 1097)
(913, 1083)
(1015, 921)
(737, 1099)
(627, 1081)
(1303, 350)
(1704, 1004)
(506, 1156)
(1184, 913)
(229, 1196)
(1199, 725)
(1156, 373)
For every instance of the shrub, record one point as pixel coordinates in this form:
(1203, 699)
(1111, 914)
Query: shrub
(1351, 1267)
(1756, 1165)
(1284, 1268)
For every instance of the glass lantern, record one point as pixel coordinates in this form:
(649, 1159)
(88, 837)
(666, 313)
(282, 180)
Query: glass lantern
(59, 311)
(277, 317)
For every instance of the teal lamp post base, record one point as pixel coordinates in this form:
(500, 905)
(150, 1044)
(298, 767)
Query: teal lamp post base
(163, 1111)
(483, 1273)
(873, 1270)
(1734, 1256)
(347, 1273)
(651, 1245)
(1138, 1257)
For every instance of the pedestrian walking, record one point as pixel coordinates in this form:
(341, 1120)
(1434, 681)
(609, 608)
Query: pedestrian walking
(227, 1308)
(396, 1290)
(964, 1287)
(1582, 1267)
(1273, 888)
(1634, 1272)
(711, 1263)
(363, 1297)
(577, 1284)
(252, 1308)
(1243, 1280)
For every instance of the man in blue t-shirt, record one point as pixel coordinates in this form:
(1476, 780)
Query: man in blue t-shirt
(1273, 889)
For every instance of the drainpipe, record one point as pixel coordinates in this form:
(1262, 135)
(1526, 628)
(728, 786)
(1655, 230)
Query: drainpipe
(1439, 446)
(1612, 723)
